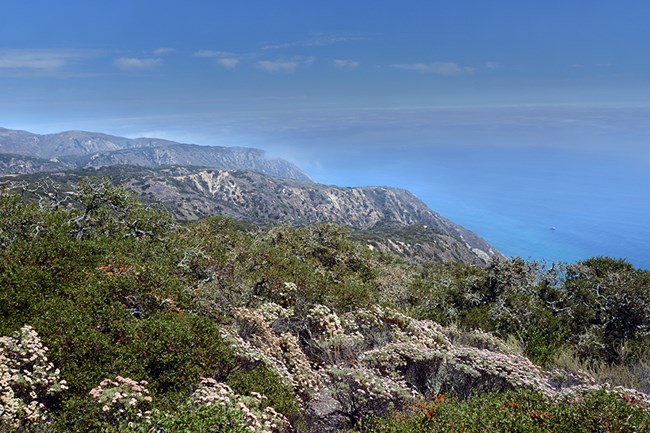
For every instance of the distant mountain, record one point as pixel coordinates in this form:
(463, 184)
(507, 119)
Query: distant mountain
(389, 219)
(24, 152)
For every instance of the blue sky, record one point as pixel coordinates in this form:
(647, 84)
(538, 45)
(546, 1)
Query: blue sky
(506, 116)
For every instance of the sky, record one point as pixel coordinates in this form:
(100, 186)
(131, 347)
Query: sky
(527, 122)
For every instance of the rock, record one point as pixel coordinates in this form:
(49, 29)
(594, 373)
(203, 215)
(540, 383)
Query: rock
(324, 414)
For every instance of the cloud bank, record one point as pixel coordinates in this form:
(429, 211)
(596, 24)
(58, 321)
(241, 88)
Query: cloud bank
(43, 59)
(284, 65)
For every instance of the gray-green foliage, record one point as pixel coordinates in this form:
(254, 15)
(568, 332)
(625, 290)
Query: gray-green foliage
(600, 307)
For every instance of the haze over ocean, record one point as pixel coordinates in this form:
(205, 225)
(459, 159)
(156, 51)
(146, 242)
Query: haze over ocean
(527, 122)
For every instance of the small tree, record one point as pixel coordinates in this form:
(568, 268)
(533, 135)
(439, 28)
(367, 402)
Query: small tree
(107, 209)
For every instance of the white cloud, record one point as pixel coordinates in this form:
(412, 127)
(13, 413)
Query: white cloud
(163, 51)
(208, 54)
(491, 65)
(43, 60)
(319, 40)
(278, 66)
(229, 62)
(345, 64)
(284, 65)
(224, 58)
(134, 63)
(439, 68)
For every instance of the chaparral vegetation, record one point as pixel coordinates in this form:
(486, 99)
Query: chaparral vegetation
(114, 317)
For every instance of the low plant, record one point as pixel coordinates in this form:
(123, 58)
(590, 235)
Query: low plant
(29, 382)
(520, 411)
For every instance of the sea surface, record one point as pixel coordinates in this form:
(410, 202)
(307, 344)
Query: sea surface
(546, 183)
(547, 208)
(535, 204)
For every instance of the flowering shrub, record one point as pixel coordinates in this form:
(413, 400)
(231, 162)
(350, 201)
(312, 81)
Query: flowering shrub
(255, 341)
(122, 400)
(28, 381)
(190, 417)
(260, 418)
(363, 391)
(332, 339)
(377, 359)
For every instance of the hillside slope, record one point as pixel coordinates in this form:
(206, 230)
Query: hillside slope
(389, 219)
(116, 318)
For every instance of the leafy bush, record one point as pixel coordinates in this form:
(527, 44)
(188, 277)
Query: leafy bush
(524, 412)
(192, 418)
(600, 307)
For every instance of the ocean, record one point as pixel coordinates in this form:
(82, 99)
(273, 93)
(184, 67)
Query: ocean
(538, 204)
(553, 207)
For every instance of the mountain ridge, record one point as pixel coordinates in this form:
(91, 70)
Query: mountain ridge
(82, 149)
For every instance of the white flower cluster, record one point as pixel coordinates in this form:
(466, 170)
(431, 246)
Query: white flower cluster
(370, 360)
(325, 323)
(272, 312)
(362, 391)
(27, 378)
(503, 370)
(420, 352)
(260, 418)
(256, 341)
(332, 338)
(289, 293)
(123, 399)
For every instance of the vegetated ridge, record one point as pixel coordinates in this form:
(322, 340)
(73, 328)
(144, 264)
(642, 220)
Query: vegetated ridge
(389, 219)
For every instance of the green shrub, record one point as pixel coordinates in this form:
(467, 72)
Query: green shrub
(189, 418)
(524, 412)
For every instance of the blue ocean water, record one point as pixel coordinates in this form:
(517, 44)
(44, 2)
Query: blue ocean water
(546, 208)
(535, 204)
(553, 235)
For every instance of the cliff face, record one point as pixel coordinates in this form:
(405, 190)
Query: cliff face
(33, 153)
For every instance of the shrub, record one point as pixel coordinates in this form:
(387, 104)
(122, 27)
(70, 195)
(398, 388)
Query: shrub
(520, 411)
(29, 383)
(192, 418)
